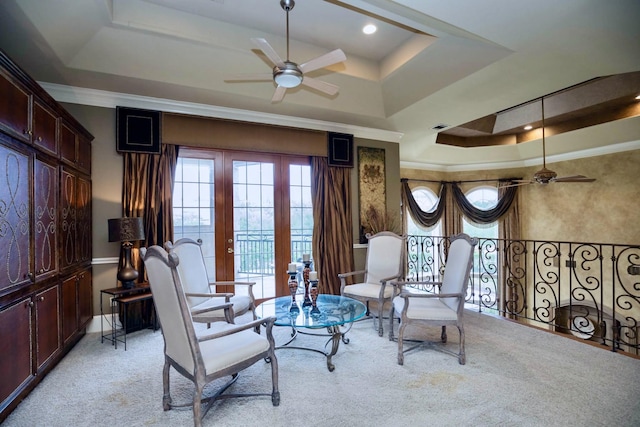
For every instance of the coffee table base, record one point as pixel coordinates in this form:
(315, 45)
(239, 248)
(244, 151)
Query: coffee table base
(335, 335)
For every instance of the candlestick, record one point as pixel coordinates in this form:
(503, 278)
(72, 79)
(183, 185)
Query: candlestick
(313, 275)
(292, 267)
(306, 257)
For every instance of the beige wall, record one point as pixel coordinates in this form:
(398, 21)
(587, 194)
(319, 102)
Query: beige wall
(604, 211)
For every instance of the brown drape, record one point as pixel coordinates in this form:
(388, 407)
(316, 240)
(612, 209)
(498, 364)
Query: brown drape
(146, 192)
(452, 223)
(332, 223)
(512, 261)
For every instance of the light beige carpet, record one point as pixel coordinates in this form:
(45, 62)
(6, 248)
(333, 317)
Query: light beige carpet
(515, 375)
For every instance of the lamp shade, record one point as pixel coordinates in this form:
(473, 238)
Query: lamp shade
(126, 229)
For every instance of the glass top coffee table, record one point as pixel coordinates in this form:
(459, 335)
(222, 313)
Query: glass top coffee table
(334, 313)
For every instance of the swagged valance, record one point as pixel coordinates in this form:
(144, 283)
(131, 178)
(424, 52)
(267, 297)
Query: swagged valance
(479, 216)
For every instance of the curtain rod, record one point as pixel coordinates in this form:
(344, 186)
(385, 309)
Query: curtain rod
(456, 182)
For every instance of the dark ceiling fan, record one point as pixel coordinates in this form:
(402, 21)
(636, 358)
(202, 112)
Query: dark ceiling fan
(545, 176)
(287, 74)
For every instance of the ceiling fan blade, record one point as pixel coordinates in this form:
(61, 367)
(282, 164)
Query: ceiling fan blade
(322, 61)
(269, 51)
(574, 178)
(328, 88)
(278, 95)
(517, 183)
(244, 77)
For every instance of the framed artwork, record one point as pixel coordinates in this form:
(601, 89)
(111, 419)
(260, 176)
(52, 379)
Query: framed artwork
(340, 149)
(137, 131)
(372, 187)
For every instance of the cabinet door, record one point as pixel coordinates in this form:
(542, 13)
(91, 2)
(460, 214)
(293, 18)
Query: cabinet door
(69, 308)
(15, 358)
(67, 139)
(45, 126)
(14, 217)
(47, 325)
(14, 109)
(45, 188)
(84, 155)
(67, 219)
(83, 219)
(85, 298)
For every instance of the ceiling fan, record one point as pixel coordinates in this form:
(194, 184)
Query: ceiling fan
(545, 176)
(287, 74)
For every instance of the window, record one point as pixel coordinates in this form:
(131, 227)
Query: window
(423, 262)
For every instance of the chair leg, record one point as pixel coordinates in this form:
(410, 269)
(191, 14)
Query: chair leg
(275, 392)
(197, 405)
(400, 339)
(462, 358)
(391, 313)
(166, 397)
(443, 335)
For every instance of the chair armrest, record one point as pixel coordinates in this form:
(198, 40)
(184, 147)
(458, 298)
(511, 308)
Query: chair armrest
(405, 294)
(232, 283)
(226, 295)
(225, 306)
(351, 273)
(401, 283)
(267, 321)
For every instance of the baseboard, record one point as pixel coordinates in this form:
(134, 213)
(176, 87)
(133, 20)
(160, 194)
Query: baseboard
(94, 325)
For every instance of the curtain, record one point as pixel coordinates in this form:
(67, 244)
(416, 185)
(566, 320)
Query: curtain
(147, 192)
(332, 240)
(505, 199)
(511, 261)
(425, 219)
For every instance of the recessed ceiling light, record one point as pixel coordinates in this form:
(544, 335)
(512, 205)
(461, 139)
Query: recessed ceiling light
(369, 29)
(638, 97)
(528, 127)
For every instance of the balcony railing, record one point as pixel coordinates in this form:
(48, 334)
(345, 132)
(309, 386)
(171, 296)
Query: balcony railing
(590, 290)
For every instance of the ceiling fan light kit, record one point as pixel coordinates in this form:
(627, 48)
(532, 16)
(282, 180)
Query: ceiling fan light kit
(287, 74)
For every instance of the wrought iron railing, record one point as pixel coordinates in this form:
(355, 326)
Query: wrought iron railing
(590, 290)
(257, 252)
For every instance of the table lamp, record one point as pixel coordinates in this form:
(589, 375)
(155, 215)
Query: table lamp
(126, 230)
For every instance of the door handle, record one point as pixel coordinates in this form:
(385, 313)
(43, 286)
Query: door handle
(229, 250)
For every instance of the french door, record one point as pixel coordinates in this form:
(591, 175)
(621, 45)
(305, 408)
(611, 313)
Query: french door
(242, 205)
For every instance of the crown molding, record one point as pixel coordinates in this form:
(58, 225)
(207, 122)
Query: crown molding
(101, 98)
(591, 152)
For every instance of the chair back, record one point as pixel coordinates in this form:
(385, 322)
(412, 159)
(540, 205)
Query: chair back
(192, 269)
(457, 268)
(385, 257)
(171, 306)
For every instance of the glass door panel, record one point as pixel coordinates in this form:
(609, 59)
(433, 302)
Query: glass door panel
(254, 225)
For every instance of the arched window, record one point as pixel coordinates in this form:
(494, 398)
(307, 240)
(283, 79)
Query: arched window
(482, 198)
(485, 263)
(427, 200)
(422, 243)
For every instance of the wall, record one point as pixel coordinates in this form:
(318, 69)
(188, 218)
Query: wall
(107, 190)
(106, 177)
(604, 211)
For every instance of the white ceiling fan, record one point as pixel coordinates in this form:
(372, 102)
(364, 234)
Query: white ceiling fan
(287, 74)
(545, 176)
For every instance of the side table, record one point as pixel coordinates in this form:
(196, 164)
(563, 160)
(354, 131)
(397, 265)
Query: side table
(120, 299)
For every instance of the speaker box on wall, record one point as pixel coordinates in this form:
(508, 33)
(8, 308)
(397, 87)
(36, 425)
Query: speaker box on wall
(137, 131)
(340, 149)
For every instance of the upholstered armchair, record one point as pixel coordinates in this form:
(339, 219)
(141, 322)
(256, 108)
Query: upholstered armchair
(221, 351)
(201, 294)
(385, 262)
(415, 306)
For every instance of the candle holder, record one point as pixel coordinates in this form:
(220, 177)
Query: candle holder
(305, 278)
(313, 292)
(293, 288)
